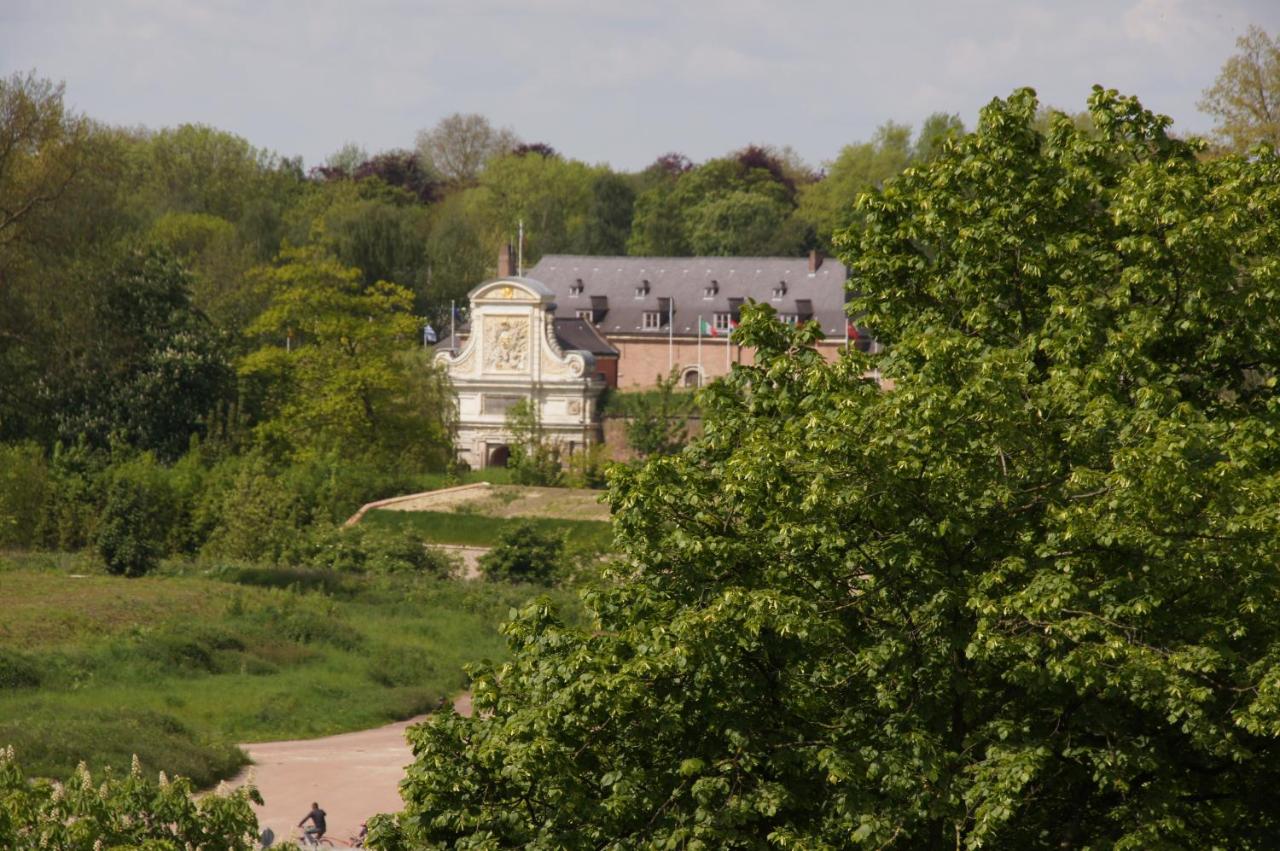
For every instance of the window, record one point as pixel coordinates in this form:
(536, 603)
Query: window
(652, 319)
(710, 290)
(575, 289)
(780, 290)
(721, 321)
(585, 314)
(643, 289)
(788, 318)
(692, 377)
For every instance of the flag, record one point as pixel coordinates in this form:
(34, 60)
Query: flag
(708, 329)
(851, 331)
(429, 334)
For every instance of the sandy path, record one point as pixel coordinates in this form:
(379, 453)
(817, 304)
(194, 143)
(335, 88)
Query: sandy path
(352, 776)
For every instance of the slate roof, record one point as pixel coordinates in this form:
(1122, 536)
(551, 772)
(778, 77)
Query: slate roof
(615, 288)
(579, 335)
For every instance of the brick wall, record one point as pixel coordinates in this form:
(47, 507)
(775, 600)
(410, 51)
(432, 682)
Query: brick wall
(642, 360)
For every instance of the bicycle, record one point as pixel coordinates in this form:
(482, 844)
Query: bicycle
(307, 839)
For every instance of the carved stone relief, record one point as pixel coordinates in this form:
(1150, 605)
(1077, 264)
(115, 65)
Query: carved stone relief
(506, 344)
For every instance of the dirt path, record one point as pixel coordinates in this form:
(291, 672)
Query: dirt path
(352, 776)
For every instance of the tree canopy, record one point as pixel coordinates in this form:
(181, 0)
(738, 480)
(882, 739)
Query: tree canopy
(1245, 99)
(1024, 599)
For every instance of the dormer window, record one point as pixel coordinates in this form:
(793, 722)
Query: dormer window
(642, 289)
(710, 290)
(575, 289)
(588, 315)
(779, 291)
(652, 320)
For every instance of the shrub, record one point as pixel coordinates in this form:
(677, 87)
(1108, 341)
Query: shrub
(120, 812)
(524, 554)
(375, 549)
(126, 537)
(18, 670)
(24, 487)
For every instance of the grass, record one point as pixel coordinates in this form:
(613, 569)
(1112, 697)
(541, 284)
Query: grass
(181, 666)
(478, 530)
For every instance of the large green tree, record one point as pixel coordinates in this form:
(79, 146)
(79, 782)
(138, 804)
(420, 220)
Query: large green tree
(337, 370)
(1027, 598)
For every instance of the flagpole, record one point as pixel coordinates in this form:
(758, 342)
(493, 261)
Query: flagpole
(520, 251)
(727, 335)
(671, 330)
(699, 349)
(453, 334)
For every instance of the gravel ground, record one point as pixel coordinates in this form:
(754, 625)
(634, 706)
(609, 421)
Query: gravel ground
(351, 776)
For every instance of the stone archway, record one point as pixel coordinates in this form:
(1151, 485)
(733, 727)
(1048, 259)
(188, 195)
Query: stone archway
(498, 456)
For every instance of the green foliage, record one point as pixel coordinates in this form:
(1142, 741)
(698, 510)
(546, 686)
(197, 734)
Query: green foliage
(524, 553)
(476, 530)
(1245, 99)
(329, 375)
(123, 812)
(378, 549)
(127, 532)
(161, 368)
(723, 207)
(24, 489)
(656, 428)
(18, 670)
(828, 205)
(534, 458)
(1025, 599)
(191, 661)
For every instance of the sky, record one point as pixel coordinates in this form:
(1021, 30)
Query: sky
(607, 81)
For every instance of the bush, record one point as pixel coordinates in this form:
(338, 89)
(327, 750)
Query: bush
(18, 671)
(399, 666)
(375, 549)
(126, 537)
(74, 499)
(119, 812)
(24, 488)
(524, 554)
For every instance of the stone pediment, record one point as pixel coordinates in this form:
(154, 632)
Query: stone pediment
(512, 353)
(513, 290)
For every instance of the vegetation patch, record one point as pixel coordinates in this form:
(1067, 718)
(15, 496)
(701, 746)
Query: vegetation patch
(476, 530)
(180, 666)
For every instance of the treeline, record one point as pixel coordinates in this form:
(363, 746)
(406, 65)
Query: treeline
(159, 287)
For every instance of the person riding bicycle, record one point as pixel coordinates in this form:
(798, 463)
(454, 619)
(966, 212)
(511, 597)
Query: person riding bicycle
(316, 817)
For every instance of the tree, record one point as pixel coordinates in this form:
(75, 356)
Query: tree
(332, 371)
(459, 146)
(1245, 99)
(40, 148)
(1025, 599)
(147, 367)
(524, 553)
(827, 206)
(657, 426)
(127, 536)
(740, 205)
(403, 170)
(534, 458)
(346, 159)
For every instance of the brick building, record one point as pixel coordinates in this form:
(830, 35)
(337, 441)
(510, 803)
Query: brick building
(622, 322)
(651, 309)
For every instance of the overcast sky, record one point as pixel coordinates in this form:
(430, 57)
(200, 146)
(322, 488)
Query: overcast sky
(610, 81)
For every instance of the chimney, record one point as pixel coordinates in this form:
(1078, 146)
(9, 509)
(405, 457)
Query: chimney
(506, 262)
(815, 261)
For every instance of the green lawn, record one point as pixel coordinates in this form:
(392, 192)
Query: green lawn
(179, 667)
